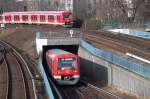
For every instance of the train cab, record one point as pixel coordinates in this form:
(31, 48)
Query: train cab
(63, 66)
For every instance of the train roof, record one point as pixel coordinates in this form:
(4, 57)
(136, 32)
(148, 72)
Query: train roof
(59, 51)
(38, 12)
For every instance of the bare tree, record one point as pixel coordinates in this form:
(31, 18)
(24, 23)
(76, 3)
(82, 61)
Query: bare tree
(129, 7)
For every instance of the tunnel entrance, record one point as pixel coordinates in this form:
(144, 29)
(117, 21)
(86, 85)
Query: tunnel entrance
(92, 70)
(70, 48)
(94, 73)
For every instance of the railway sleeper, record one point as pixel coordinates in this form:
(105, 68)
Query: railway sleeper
(8, 50)
(1, 50)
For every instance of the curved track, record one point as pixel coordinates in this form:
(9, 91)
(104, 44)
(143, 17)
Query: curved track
(4, 81)
(15, 80)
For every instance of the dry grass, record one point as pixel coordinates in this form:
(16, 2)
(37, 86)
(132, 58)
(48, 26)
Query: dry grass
(6, 32)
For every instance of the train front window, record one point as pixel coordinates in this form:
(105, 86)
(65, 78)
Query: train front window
(67, 16)
(66, 63)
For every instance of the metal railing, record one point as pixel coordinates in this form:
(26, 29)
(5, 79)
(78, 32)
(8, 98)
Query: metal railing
(61, 34)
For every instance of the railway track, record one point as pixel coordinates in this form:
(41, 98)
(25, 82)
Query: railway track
(4, 78)
(16, 83)
(85, 91)
(121, 43)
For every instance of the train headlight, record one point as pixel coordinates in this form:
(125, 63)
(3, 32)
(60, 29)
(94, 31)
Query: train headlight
(67, 78)
(76, 76)
(76, 71)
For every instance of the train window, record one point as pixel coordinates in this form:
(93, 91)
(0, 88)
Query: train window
(16, 17)
(42, 17)
(24, 17)
(50, 17)
(67, 16)
(34, 17)
(8, 17)
(67, 63)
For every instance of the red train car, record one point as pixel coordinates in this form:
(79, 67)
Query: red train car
(63, 18)
(63, 66)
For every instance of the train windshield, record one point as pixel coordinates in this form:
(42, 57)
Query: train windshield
(67, 63)
(67, 16)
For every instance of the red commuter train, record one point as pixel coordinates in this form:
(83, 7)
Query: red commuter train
(63, 18)
(63, 66)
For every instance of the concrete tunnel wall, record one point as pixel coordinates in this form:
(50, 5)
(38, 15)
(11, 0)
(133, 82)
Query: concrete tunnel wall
(93, 69)
(130, 82)
(69, 48)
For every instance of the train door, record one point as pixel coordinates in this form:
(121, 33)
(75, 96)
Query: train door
(0, 19)
(55, 19)
(59, 19)
(55, 65)
(8, 18)
(3, 18)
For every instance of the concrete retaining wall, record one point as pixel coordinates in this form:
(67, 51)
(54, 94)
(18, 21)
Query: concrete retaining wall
(98, 71)
(93, 68)
(64, 41)
(130, 82)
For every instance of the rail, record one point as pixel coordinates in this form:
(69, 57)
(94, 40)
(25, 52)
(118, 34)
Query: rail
(8, 79)
(22, 75)
(132, 32)
(32, 78)
(11, 72)
(102, 90)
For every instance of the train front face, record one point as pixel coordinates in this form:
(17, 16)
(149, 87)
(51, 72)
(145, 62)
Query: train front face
(67, 70)
(68, 19)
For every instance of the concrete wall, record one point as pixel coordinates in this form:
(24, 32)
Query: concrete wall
(59, 39)
(94, 69)
(130, 82)
(101, 72)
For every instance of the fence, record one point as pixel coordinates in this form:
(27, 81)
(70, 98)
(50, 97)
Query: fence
(133, 32)
(138, 68)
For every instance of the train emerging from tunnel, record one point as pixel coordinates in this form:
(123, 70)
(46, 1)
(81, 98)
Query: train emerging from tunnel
(63, 18)
(63, 66)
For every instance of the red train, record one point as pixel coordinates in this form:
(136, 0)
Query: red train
(63, 66)
(63, 18)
